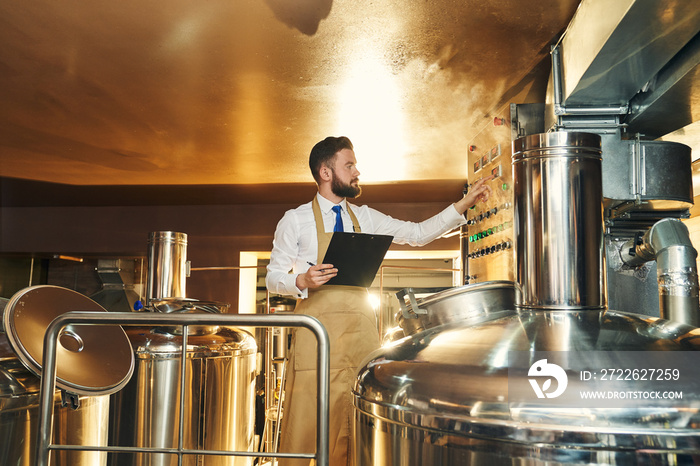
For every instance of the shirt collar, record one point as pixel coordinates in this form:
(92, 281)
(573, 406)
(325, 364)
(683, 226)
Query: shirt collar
(327, 205)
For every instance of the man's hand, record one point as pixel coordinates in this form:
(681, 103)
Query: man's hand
(479, 191)
(316, 276)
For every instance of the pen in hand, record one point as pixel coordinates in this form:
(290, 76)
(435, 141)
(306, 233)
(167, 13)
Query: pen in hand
(316, 275)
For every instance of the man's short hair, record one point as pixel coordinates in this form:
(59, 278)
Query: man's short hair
(323, 153)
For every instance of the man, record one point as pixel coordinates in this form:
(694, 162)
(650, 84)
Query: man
(299, 246)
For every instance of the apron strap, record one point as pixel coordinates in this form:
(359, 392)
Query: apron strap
(319, 218)
(325, 238)
(355, 223)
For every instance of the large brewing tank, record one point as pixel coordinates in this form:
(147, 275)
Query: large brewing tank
(219, 396)
(220, 370)
(442, 395)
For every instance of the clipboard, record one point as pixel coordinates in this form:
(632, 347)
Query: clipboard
(357, 256)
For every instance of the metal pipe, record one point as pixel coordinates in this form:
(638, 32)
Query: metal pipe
(556, 77)
(668, 242)
(48, 379)
(167, 265)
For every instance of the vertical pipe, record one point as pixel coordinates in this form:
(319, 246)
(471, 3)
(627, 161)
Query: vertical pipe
(167, 265)
(556, 78)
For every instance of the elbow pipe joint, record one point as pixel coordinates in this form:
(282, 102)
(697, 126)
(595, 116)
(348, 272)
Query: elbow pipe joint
(668, 242)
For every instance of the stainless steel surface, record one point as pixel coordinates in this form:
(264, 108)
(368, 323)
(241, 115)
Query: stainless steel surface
(19, 414)
(611, 50)
(119, 290)
(188, 305)
(92, 360)
(44, 445)
(180, 305)
(469, 304)
(630, 289)
(558, 221)
(669, 104)
(167, 265)
(668, 243)
(641, 175)
(275, 348)
(441, 397)
(219, 396)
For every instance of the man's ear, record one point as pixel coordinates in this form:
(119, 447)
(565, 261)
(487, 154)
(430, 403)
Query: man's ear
(325, 172)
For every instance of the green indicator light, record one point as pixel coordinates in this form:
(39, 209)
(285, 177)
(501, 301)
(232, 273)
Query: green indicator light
(504, 186)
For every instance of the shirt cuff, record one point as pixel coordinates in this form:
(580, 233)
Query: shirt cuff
(292, 287)
(452, 217)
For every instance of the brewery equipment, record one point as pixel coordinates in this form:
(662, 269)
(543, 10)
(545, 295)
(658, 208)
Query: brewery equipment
(19, 411)
(219, 378)
(275, 353)
(167, 265)
(444, 394)
(584, 219)
(93, 362)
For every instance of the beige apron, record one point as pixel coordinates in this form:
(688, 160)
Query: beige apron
(351, 323)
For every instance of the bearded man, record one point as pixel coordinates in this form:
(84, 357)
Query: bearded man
(296, 269)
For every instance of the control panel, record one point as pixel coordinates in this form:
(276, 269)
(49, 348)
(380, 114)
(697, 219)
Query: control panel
(488, 238)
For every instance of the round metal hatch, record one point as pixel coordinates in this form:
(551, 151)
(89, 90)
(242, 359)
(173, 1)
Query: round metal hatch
(90, 359)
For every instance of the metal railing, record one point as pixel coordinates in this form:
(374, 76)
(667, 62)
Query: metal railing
(48, 378)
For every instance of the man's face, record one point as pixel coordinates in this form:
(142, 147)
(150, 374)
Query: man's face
(345, 181)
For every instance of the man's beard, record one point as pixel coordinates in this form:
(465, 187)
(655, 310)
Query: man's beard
(345, 190)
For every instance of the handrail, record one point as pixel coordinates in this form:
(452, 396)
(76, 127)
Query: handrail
(48, 378)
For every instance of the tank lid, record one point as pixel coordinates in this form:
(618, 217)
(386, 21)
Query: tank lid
(91, 359)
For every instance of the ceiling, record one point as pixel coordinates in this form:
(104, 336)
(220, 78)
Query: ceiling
(223, 94)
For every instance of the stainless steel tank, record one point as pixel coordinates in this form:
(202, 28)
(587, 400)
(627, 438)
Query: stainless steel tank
(469, 304)
(82, 421)
(445, 395)
(442, 397)
(219, 395)
(218, 409)
(19, 418)
(558, 221)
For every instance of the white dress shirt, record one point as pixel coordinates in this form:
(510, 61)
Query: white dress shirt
(295, 246)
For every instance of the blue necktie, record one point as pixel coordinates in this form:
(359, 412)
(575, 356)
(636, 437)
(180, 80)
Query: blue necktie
(338, 220)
